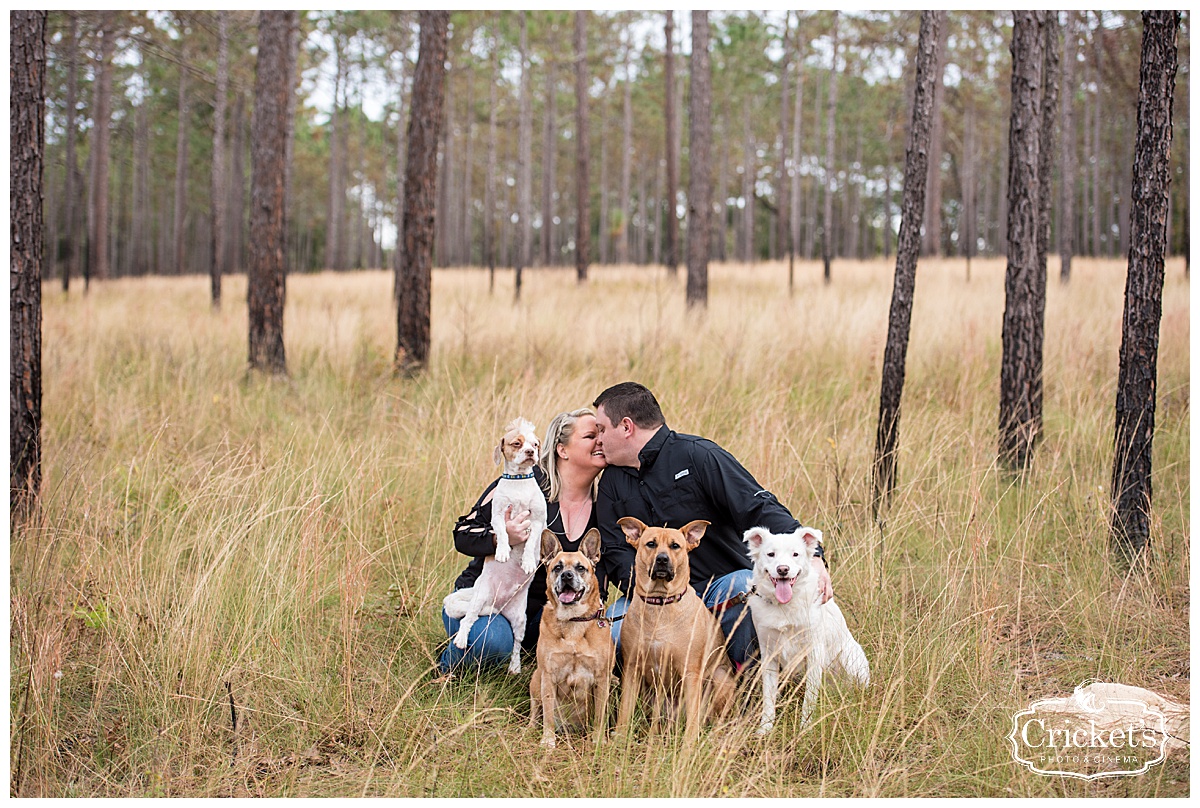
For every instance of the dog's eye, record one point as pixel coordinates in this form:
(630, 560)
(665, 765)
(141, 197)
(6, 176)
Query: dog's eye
(674, 545)
(558, 567)
(795, 555)
(771, 555)
(580, 568)
(651, 544)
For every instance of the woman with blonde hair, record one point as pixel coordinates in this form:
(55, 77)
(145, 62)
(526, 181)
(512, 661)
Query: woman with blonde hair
(568, 472)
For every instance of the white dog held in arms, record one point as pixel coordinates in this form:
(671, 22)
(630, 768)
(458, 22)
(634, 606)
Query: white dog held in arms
(792, 625)
(503, 586)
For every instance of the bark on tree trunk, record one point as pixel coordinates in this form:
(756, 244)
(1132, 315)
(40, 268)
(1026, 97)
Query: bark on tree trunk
(420, 213)
(218, 160)
(831, 114)
(97, 252)
(549, 152)
(489, 193)
(583, 219)
(672, 123)
(337, 194)
(237, 189)
(1136, 387)
(27, 143)
(932, 244)
(1024, 310)
(181, 164)
(797, 146)
(783, 198)
(268, 191)
(916, 173)
(524, 163)
(700, 182)
(70, 260)
(1049, 113)
(626, 162)
(749, 169)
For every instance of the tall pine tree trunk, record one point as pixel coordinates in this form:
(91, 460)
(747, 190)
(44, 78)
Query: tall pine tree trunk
(219, 193)
(933, 199)
(916, 173)
(268, 190)
(549, 152)
(831, 114)
(27, 144)
(1024, 310)
(71, 259)
(97, 252)
(672, 123)
(1136, 386)
(489, 192)
(524, 162)
(749, 170)
(1066, 218)
(397, 267)
(626, 161)
(797, 146)
(583, 219)
(179, 230)
(337, 194)
(782, 197)
(420, 212)
(1049, 114)
(700, 180)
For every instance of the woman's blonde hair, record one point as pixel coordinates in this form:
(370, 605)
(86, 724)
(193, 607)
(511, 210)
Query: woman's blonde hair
(560, 430)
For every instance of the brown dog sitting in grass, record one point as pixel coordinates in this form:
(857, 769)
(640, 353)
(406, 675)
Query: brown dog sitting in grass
(575, 652)
(670, 643)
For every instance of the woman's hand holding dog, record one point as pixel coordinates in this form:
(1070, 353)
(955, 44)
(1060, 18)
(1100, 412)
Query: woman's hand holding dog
(517, 524)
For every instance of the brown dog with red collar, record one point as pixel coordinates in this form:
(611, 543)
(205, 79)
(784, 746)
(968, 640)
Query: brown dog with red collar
(670, 643)
(575, 652)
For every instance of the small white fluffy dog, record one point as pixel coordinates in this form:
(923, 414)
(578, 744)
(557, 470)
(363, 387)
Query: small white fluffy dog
(792, 625)
(503, 586)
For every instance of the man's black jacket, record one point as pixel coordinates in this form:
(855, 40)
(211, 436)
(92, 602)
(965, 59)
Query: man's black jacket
(682, 478)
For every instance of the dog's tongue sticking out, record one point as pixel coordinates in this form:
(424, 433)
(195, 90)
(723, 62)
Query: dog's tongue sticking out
(567, 596)
(783, 590)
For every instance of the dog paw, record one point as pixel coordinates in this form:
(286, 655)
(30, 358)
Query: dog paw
(514, 667)
(460, 642)
(502, 553)
(548, 742)
(765, 727)
(529, 566)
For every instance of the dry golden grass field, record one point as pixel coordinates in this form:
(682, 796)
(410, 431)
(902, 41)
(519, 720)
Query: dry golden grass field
(215, 544)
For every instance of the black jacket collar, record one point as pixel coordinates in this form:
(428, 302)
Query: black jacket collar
(650, 451)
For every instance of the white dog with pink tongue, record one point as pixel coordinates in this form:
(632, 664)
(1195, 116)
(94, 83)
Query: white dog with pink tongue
(793, 626)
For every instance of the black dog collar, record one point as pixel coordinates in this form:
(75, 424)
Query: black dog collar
(654, 600)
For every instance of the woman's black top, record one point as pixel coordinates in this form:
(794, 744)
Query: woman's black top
(473, 537)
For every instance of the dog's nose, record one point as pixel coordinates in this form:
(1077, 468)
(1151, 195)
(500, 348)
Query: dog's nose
(783, 571)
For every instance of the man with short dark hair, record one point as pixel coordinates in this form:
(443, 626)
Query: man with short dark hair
(663, 477)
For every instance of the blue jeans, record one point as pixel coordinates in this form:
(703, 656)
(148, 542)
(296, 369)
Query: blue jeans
(489, 643)
(740, 639)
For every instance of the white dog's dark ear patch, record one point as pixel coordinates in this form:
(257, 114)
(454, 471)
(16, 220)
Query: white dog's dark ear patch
(754, 537)
(590, 545)
(633, 527)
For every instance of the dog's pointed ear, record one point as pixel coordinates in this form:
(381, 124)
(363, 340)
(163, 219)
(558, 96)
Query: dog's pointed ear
(812, 537)
(550, 546)
(633, 528)
(754, 537)
(590, 546)
(693, 532)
